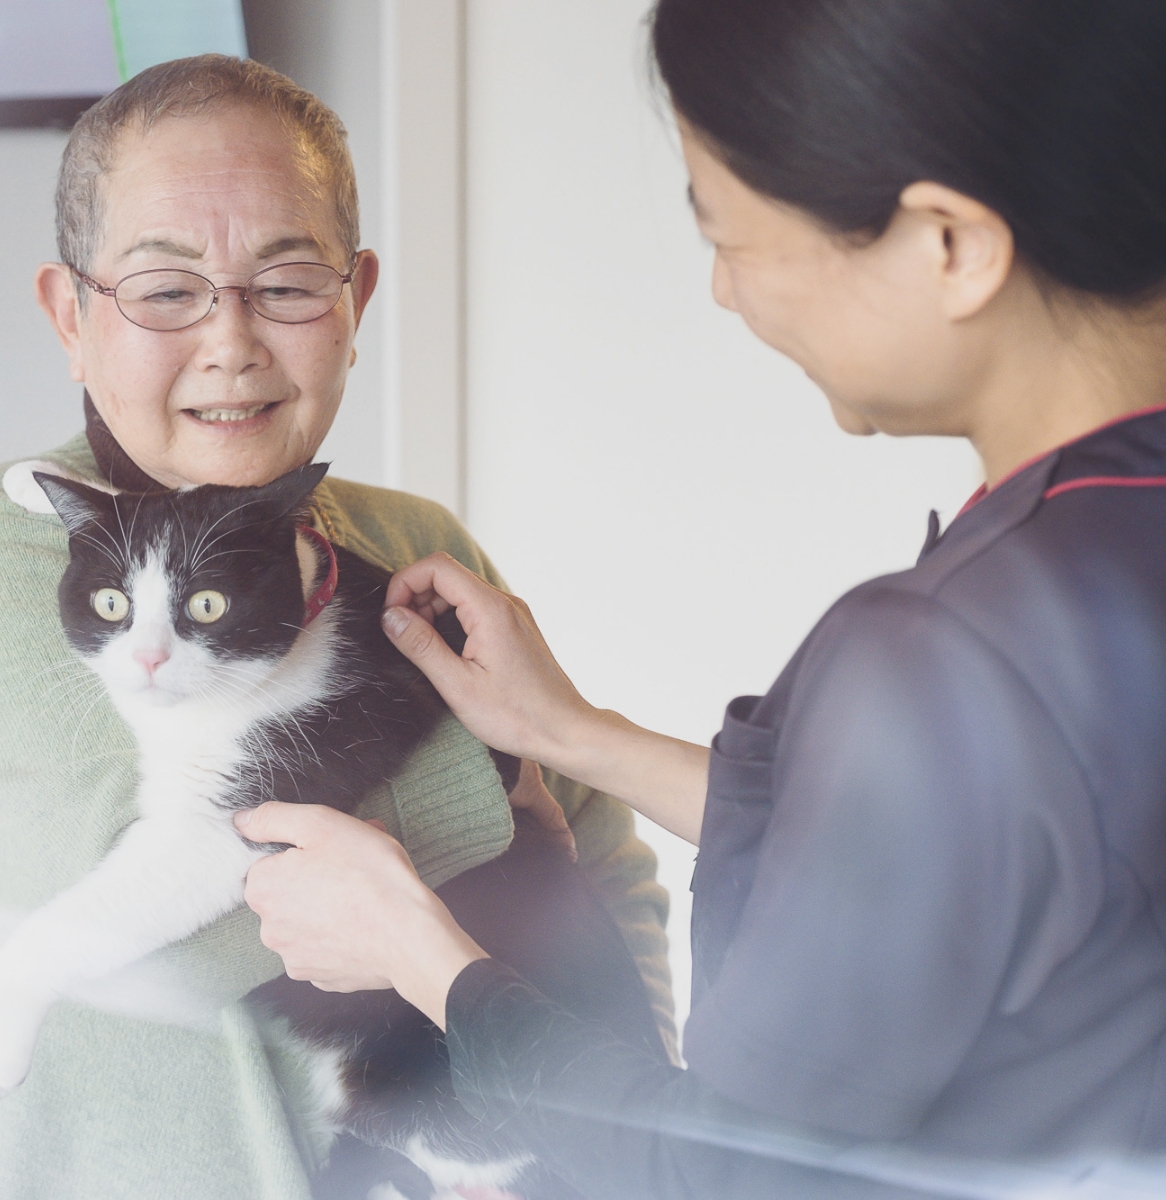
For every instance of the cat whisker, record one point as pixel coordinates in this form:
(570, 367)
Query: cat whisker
(202, 562)
(70, 717)
(263, 752)
(78, 669)
(112, 551)
(181, 529)
(81, 724)
(205, 532)
(67, 693)
(265, 759)
(125, 546)
(287, 720)
(71, 683)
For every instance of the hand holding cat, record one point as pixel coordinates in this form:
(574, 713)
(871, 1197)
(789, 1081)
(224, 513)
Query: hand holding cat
(345, 909)
(507, 688)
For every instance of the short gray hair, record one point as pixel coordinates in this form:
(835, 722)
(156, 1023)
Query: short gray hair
(187, 87)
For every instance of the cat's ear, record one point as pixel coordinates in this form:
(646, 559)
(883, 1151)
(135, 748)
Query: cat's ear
(289, 493)
(77, 504)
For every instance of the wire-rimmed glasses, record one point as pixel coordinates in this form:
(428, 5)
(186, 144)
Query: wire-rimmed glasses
(166, 301)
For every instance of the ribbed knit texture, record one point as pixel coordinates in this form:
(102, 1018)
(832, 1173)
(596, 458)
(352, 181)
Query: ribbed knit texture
(125, 1108)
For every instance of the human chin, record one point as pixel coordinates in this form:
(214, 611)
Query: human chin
(849, 420)
(245, 451)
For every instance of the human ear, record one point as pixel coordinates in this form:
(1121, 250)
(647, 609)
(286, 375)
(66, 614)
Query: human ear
(57, 296)
(974, 249)
(364, 281)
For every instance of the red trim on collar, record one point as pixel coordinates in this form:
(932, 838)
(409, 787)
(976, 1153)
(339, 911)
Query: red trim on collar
(1092, 481)
(983, 489)
(318, 600)
(1149, 410)
(973, 499)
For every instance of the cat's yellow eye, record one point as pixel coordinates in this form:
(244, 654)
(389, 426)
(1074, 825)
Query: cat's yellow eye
(206, 607)
(110, 604)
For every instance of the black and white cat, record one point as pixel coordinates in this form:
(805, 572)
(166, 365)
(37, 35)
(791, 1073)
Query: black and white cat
(245, 654)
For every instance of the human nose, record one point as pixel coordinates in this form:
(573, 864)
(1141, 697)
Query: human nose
(723, 284)
(230, 335)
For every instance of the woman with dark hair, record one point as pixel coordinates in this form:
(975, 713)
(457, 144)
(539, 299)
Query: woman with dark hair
(930, 903)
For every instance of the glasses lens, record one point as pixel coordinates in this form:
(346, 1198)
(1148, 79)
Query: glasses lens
(295, 292)
(164, 299)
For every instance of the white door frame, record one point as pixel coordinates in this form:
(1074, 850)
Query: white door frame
(423, 186)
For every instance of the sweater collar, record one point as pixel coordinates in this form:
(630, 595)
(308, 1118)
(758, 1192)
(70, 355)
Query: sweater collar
(113, 462)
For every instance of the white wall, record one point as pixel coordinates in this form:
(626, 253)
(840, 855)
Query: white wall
(335, 50)
(392, 70)
(670, 496)
(39, 406)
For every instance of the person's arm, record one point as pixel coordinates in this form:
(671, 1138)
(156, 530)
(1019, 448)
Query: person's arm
(507, 688)
(394, 529)
(346, 910)
(618, 1124)
(929, 864)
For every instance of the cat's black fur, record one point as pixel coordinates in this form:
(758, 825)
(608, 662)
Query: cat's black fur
(531, 907)
(333, 753)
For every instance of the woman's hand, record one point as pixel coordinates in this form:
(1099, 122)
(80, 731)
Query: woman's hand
(506, 688)
(345, 909)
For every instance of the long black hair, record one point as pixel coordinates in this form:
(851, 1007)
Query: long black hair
(1051, 112)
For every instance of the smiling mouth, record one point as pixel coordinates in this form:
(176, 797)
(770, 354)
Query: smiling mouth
(217, 416)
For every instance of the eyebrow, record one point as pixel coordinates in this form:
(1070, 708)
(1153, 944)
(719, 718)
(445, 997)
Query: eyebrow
(162, 246)
(283, 245)
(178, 250)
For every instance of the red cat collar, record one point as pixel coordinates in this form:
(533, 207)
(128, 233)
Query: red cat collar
(318, 600)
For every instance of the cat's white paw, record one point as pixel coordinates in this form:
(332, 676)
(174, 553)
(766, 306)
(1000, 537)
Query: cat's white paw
(22, 489)
(458, 1178)
(22, 1012)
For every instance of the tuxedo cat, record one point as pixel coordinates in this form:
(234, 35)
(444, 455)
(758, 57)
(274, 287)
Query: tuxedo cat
(245, 654)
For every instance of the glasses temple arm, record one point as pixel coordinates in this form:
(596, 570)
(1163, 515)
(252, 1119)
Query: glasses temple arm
(92, 283)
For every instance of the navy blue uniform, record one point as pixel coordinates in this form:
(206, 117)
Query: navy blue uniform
(930, 901)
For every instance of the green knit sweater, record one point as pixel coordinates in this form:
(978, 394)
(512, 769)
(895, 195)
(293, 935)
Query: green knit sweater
(179, 1098)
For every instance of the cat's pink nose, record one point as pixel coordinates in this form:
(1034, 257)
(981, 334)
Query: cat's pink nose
(151, 658)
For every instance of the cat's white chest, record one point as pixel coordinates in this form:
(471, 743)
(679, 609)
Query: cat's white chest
(190, 749)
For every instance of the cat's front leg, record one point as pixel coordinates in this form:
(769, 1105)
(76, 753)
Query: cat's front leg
(165, 878)
(22, 1012)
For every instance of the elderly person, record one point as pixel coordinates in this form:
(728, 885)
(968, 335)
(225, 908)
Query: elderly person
(225, 170)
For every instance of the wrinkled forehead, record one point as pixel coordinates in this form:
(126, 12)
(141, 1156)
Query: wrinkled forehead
(235, 171)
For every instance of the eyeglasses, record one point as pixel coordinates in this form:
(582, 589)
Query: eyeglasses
(289, 293)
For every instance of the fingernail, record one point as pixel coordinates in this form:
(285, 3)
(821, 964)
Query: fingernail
(394, 622)
(243, 818)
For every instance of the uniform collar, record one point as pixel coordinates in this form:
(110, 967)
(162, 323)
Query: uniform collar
(1128, 451)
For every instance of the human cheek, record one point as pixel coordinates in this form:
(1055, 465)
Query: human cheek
(130, 373)
(318, 366)
(767, 309)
